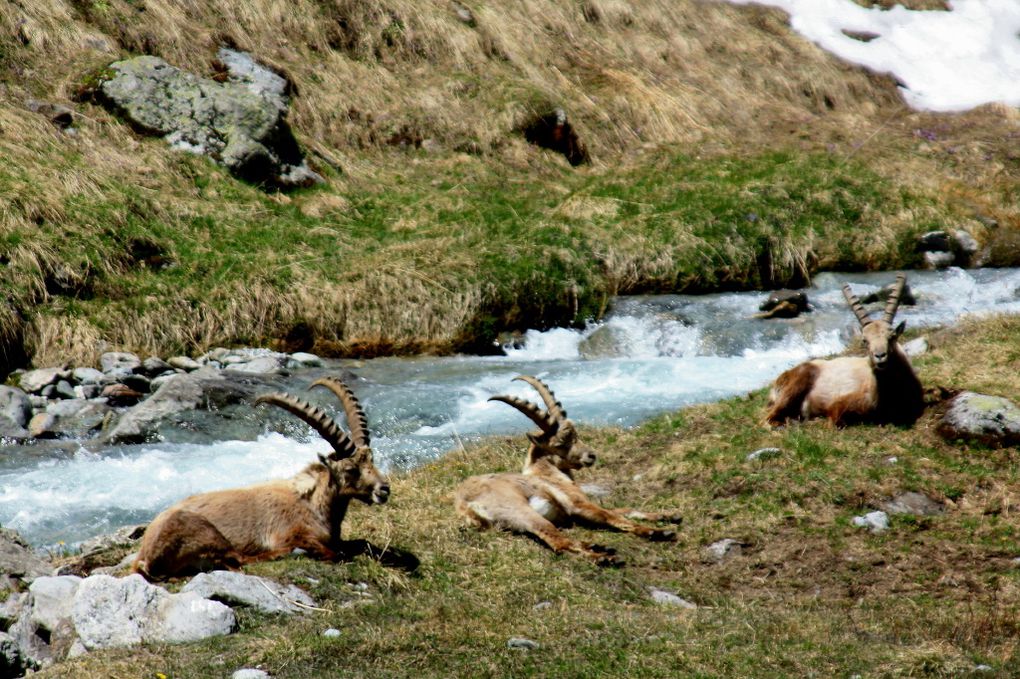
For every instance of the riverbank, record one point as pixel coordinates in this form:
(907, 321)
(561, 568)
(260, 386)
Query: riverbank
(805, 592)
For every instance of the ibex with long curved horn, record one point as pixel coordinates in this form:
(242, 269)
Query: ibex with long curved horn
(880, 388)
(544, 495)
(229, 528)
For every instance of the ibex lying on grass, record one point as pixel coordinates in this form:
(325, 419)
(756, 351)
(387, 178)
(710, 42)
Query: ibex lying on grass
(544, 495)
(229, 528)
(879, 388)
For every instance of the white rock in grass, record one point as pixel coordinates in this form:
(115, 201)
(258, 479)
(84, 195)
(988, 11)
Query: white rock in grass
(876, 522)
(249, 673)
(332, 632)
(263, 595)
(764, 454)
(521, 643)
(661, 596)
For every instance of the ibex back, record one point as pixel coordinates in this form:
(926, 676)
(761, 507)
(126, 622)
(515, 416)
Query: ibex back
(229, 528)
(544, 495)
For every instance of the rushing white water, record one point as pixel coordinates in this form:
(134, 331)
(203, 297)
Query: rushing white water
(650, 355)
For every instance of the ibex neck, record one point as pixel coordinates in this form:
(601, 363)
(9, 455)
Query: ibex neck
(536, 465)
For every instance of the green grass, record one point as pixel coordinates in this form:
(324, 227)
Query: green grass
(440, 255)
(810, 594)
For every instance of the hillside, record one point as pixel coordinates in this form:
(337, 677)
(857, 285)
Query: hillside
(708, 128)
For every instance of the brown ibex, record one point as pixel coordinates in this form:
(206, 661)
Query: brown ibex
(544, 495)
(881, 388)
(230, 528)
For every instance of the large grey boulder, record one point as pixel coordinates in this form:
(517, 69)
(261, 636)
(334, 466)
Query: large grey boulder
(109, 612)
(992, 420)
(239, 589)
(35, 381)
(182, 400)
(51, 600)
(239, 123)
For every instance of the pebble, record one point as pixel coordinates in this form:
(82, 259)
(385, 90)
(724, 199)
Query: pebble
(331, 632)
(724, 549)
(764, 454)
(522, 644)
(248, 673)
(661, 596)
(542, 605)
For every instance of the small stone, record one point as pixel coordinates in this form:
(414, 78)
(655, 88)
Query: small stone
(521, 643)
(34, 381)
(15, 405)
(661, 596)
(876, 522)
(43, 426)
(64, 389)
(892, 459)
(912, 502)
(154, 365)
(303, 359)
(118, 395)
(118, 361)
(764, 454)
(722, 550)
(332, 632)
(982, 668)
(138, 382)
(250, 673)
(542, 605)
(184, 363)
(88, 376)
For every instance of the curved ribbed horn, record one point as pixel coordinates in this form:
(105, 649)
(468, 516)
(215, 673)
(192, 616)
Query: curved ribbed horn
(855, 304)
(544, 422)
(554, 407)
(894, 298)
(317, 418)
(356, 419)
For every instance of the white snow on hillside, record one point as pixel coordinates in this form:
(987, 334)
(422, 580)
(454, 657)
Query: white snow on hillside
(947, 61)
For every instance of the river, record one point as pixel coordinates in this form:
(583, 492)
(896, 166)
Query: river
(650, 355)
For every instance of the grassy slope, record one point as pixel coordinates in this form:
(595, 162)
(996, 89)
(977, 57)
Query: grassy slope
(810, 595)
(727, 152)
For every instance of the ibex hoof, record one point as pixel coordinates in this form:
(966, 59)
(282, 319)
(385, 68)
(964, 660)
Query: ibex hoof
(674, 519)
(607, 560)
(600, 549)
(662, 536)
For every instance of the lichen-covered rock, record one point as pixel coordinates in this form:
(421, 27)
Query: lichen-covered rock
(109, 612)
(992, 420)
(35, 381)
(17, 560)
(263, 595)
(15, 405)
(240, 123)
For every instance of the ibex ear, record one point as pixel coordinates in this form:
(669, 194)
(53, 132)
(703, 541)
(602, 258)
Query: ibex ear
(899, 329)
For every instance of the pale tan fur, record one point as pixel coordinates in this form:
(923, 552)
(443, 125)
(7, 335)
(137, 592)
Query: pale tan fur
(544, 495)
(881, 387)
(230, 528)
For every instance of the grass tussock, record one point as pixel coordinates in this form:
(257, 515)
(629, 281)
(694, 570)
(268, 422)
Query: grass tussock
(809, 594)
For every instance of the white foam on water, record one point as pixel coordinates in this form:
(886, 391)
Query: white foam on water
(947, 60)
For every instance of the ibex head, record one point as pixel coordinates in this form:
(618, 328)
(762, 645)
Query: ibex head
(879, 335)
(350, 463)
(557, 439)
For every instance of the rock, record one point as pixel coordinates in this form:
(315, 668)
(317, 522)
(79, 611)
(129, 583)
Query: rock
(781, 310)
(238, 589)
(60, 115)
(11, 431)
(119, 395)
(64, 389)
(933, 241)
(184, 398)
(34, 381)
(67, 408)
(722, 550)
(796, 302)
(876, 522)
(11, 662)
(939, 260)
(661, 596)
(912, 502)
(84, 419)
(249, 673)
(965, 246)
(764, 454)
(542, 605)
(43, 426)
(136, 382)
(109, 612)
(239, 123)
(332, 632)
(262, 365)
(464, 14)
(52, 597)
(17, 559)
(992, 420)
(907, 297)
(915, 347)
(119, 361)
(88, 376)
(520, 643)
(302, 359)
(15, 405)
(154, 365)
(184, 363)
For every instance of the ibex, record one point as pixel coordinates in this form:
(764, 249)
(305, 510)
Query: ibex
(544, 495)
(230, 528)
(880, 388)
